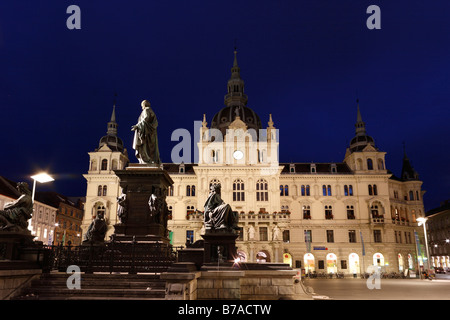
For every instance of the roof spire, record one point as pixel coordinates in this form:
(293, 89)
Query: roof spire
(359, 125)
(235, 87)
(112, 124)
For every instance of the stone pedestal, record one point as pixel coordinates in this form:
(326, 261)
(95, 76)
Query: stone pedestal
(12, 241)
(141, 181)
(223, 242)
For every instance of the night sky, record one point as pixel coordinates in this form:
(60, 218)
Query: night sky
(306, 62)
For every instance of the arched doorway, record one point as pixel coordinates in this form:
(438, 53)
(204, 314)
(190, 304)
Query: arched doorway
(410, 262)
(331, 263)
(262, 256)
(400, 263)
(287, 258)
(242, 256)
(378, 259)
(354, 263)
(309, 263)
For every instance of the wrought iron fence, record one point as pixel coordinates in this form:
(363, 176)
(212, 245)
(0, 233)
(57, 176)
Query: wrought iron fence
(131, 257)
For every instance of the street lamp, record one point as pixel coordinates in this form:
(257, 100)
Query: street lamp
(422, 221)
(42, 178)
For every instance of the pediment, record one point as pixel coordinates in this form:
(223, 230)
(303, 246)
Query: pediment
(369, 148)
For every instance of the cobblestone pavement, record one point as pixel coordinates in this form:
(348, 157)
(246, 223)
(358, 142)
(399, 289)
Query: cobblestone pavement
(389, 289)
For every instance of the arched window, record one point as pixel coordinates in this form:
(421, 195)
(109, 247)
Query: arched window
(305, 190)
(100, 210)
(346, 190)
(284, 190)
(105, 190)
(324, 190)
(214, 181)
(370, 190)
(104, 164)
(375, 190)
(99, 191)
(369, 164)
(374, 211)
(350, 190)
(193, 191)
(329, 190)
(380, 164)
(238, 190)
(188, 191)
(262, 193)
(411, 196)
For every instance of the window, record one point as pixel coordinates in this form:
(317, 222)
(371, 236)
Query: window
(417, 195)
(170, 191)
(377, 236)
(190, 191)
(333, 168)
(330, 236)
(326, 190)
(369, 164)
(380, 164)
(373, 191)
(305, 190)
(100, 210)
(104, 164)
(350, 212)
(348, 190)
(313, 168)
(263, 234)
(352, 236)
(343, 264)
(214, 181)
(284, 190)
(308, 236)
(238, 190)
(374, 211)
(190, 236)
(190, 209)
(286, 236)
(262, 193)
(328, 212)
(105, 190)
(99, 192)
(411, 196)
(306, 212)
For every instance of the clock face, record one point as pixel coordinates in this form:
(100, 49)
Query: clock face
(238, 155)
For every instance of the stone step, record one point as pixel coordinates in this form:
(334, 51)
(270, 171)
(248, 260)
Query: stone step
(96, 286)
(87, 294)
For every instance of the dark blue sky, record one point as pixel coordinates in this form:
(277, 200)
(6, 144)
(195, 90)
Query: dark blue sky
(303, 61)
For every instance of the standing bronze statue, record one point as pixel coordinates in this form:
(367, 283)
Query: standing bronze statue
(15, 215)
(145, 141)
(122, 206)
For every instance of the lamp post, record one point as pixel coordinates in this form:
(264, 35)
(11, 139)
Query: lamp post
(422, 221)
(42, 178)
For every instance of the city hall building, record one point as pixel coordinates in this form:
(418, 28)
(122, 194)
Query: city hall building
(322, 217)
